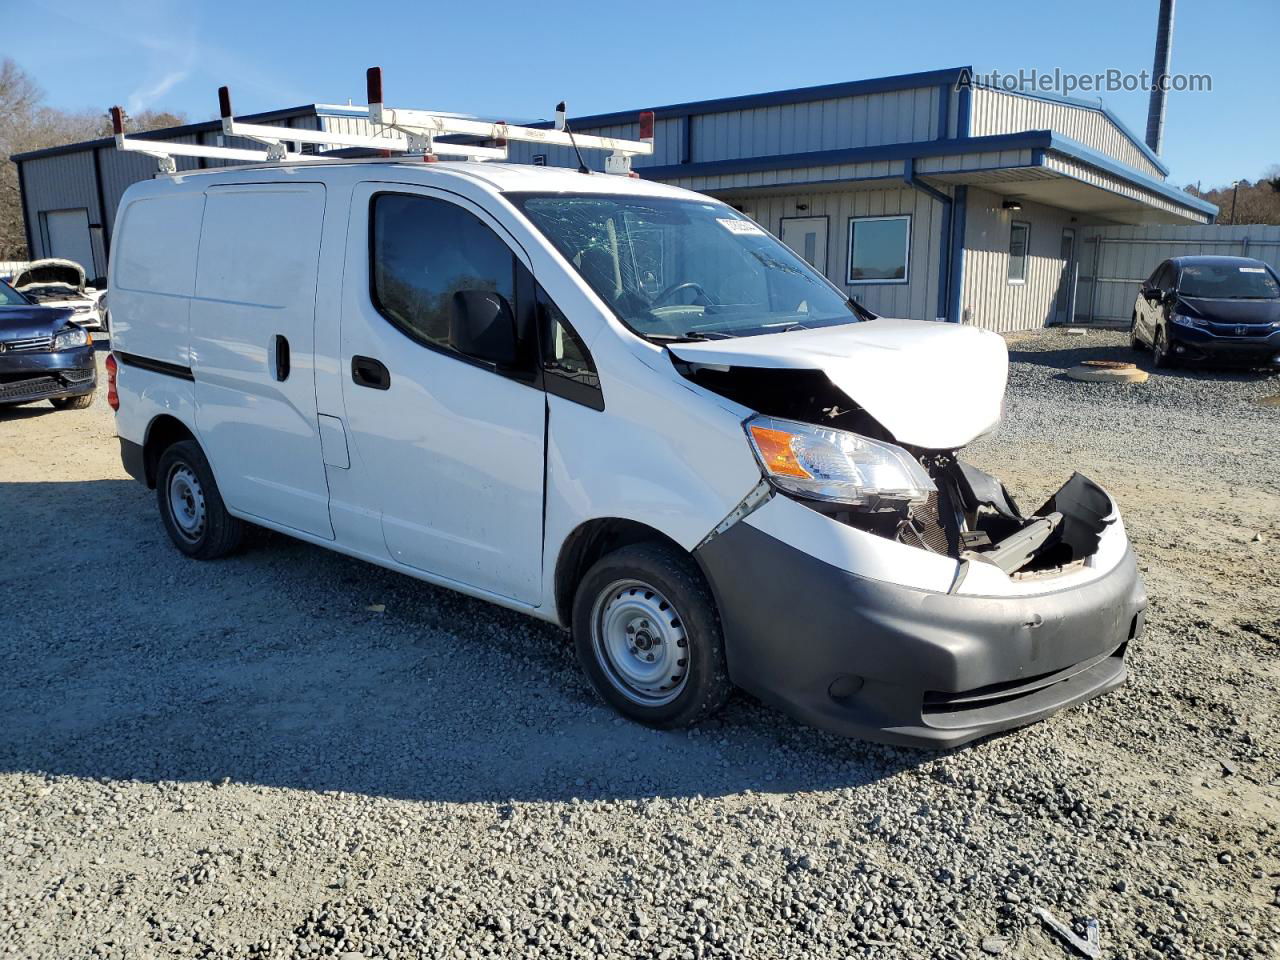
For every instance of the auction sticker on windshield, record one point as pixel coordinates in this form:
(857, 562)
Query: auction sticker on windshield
(745, 227)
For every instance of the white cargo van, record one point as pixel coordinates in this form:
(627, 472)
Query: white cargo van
(621, 407)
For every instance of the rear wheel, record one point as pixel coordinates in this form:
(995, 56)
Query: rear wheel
(648, 636)
(191, 506)
(73, 403)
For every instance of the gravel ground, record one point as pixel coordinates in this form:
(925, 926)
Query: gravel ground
(242, 759)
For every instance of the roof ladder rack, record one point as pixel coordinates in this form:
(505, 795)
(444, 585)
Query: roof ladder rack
(164, 152)
(414, 133)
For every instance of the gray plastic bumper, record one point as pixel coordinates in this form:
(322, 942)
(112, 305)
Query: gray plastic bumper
(891, 663)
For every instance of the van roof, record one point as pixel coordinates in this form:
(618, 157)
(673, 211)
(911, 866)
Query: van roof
(497, 177)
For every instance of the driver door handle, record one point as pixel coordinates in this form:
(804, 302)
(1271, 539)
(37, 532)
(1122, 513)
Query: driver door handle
(368, 372)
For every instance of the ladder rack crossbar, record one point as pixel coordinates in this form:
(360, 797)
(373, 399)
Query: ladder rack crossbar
(397, 144)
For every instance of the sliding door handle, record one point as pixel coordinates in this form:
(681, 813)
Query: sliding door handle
(282, 358)
(368, 372)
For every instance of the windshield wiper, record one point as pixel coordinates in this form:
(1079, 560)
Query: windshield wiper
(689, 335)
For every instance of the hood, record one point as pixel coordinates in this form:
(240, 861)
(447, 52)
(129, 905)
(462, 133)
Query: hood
(933, 385)
(1232, 311)
(41, 273)
(19, 323)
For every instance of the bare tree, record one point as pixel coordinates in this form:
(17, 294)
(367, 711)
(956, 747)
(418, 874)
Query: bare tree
(26, 123)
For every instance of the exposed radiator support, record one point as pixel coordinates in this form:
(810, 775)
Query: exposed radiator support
(1160, 76)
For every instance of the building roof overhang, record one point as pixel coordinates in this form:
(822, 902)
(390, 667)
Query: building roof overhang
(1045, 166)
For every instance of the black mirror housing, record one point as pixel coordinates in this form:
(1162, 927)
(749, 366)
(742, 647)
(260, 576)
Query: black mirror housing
(482, 325)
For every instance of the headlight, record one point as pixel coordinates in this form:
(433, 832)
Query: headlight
(70, 339)
(1185, 321)
(836, 465)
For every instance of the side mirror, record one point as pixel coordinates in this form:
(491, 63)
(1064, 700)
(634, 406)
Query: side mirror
(482, 325)
(1151, 294)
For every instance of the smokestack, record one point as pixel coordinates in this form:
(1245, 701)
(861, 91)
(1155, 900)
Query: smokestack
(1160, 74)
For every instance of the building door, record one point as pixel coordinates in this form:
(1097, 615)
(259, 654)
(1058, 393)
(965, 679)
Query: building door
(1064, 302)
(807, 236)
(67, 236)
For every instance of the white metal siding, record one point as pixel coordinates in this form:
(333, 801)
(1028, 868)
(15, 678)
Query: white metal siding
(902, 116)
(714, 183)
(988, 299)
(918, 298)
(1131, 254)
(994, 112)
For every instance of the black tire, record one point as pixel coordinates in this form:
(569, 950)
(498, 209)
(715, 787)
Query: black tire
(206, 531)
(695, 641)
(73, 403)
(1160, 356)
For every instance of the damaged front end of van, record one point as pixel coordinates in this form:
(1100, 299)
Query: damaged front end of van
(878, 585)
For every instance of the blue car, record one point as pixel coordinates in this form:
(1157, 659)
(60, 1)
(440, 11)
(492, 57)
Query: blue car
(43, 354)
(1209, 309)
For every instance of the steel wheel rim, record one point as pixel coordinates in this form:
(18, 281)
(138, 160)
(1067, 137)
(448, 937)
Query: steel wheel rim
(640, 643)
(186, 502)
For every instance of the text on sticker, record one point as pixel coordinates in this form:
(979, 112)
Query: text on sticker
(745, 227)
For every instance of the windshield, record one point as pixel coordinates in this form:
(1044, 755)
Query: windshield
(10, 297)
(685, 269)
(1228, 281)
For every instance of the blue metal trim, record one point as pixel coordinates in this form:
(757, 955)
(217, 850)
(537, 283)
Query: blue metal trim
(819, 158)
(776, 98)
(1097, 105)
(964, 113)
(960, 209)
(944, 111)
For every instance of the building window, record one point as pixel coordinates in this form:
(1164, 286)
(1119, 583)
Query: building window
(879, 249)
(1019, 244)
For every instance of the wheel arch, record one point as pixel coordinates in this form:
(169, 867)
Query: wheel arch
(162, 432)
(587, 543)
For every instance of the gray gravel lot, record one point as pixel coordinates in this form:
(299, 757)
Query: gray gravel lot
(241, 759)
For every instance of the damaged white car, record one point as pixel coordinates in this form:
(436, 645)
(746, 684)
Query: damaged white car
(621, 407)
(54, 282)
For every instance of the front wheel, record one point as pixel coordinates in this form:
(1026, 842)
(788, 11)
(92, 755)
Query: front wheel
(648, 636)
(191, 507)
(73, 403)
(1160, 351)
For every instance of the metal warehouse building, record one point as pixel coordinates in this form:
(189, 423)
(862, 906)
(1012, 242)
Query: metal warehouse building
(922, 195)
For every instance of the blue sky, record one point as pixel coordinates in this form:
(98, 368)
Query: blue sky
(515, 60)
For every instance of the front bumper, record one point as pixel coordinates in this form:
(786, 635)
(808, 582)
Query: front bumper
(902, 665)
(1195, 343)
(27, 377)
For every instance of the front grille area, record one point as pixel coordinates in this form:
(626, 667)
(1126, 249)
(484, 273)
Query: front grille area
(1244, 331)
(29, 389)
(925, 530)
(28, 345)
